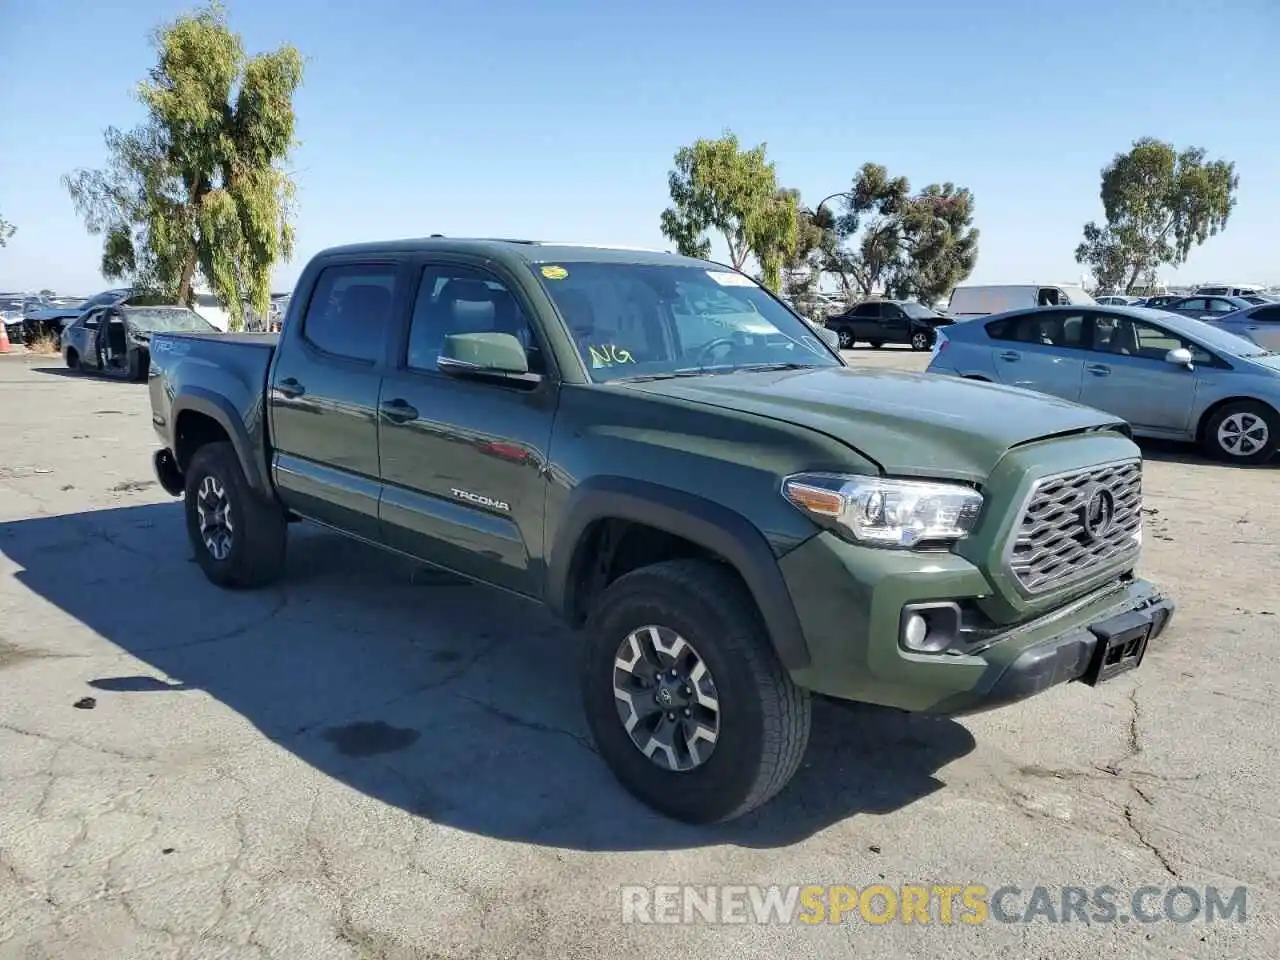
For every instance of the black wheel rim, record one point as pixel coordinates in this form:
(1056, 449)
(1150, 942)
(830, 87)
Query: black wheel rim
(666, 698)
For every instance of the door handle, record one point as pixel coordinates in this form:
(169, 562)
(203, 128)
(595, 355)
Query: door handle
(399, 411)
(1010, 355)
(291, 388)
(1098, 369)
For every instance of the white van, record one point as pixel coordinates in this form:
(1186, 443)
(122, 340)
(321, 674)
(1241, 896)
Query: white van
(980, 300)
(1221, 289)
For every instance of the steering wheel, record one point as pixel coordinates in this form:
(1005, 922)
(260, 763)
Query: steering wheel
(710, 346)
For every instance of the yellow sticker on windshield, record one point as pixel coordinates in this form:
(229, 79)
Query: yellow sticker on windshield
(555, 273)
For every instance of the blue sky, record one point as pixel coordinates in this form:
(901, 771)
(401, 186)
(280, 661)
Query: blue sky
(559, 119)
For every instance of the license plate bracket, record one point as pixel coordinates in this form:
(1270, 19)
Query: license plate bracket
(1122, 644)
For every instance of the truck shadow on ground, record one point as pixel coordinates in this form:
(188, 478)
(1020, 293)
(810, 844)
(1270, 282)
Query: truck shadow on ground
(452, 701)
(92, 375)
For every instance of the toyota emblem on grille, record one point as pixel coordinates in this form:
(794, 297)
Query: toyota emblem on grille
(1097, 513)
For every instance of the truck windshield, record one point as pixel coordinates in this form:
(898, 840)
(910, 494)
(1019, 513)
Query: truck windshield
(652, 320)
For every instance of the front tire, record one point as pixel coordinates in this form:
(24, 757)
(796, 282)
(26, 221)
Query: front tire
(237, 534)
(920, 341)
(1244, 431)
(73, 359)
(686, 699)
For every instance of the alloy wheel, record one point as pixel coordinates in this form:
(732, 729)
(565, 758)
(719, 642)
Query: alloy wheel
(1243, 434)
(666, 698)
(214, 511)
(919, 341)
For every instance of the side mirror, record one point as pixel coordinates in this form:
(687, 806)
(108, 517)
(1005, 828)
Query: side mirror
(829, 337)
(1180, 356)
(483, 353)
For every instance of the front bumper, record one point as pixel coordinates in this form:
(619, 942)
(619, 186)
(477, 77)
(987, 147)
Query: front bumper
(849, 600)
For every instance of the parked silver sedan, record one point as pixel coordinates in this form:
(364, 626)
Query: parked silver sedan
(1169, 376)
(1260, 323)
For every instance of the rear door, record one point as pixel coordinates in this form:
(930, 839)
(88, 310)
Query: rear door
(324, 393)
(463, 459)
(1042, 351)
(866, 321)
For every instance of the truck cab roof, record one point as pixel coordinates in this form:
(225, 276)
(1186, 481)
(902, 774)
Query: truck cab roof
(528, 251)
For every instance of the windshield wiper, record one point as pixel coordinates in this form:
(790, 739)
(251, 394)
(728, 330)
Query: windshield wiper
(787, 365)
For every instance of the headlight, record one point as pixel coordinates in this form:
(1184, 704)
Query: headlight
(889, 513)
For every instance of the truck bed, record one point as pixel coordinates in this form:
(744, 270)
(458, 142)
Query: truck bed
(224, 375)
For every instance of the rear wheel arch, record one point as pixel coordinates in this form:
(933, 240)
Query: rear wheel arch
(613, 525)
(200, 419)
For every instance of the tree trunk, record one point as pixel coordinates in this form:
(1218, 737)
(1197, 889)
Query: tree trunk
(188, 272)
(1133, 278)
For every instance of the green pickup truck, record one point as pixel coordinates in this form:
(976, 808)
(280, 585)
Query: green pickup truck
(662, 453)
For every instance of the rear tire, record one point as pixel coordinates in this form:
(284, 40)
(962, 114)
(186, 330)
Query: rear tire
(238, 535)
(846, 339)
(761, 719)
(1244, 431)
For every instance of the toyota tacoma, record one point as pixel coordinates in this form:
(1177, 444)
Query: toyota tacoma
(666, 456)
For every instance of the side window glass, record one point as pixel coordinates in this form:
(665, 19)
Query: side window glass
(1193, 306)
(867, 311)
(453, 300)
(1221, 306)
(350, 310)
(1044, 331)
(1269, 315)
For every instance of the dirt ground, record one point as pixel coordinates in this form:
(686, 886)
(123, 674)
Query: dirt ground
(375, 761)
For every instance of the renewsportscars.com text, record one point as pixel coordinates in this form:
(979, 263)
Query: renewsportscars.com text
(930, 904)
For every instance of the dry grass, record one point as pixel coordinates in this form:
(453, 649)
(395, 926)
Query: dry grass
(45, 344)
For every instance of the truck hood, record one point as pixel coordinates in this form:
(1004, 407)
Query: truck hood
(911, 424)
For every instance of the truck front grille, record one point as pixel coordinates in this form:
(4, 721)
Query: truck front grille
(1077, 524)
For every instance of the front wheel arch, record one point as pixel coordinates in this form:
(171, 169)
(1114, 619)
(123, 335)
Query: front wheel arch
(713, 530)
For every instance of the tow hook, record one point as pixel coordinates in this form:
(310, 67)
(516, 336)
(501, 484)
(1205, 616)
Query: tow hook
(168, 472)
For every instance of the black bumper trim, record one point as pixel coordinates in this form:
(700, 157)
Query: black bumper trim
(1062, 659)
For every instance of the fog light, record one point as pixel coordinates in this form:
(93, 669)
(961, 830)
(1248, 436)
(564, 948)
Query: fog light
(929, 627)
(915, 632)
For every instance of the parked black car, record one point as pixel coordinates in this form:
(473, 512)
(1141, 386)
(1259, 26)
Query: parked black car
(116, 339)
(878, 322)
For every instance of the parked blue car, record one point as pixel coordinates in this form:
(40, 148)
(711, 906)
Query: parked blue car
(1169, 376)
(1260, 323)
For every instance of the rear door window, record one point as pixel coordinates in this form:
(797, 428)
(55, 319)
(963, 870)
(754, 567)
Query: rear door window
(349, 313)
(1053, 330)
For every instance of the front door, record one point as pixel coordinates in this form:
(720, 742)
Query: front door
(1041, 351)
(894, 322)
(1126, 374)
(464, 460)
(324, 396)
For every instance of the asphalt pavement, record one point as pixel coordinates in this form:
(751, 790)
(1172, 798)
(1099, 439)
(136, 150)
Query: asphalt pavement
(373, 760)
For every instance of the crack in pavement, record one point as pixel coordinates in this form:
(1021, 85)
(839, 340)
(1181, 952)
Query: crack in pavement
(535, 725)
